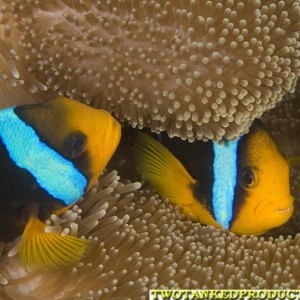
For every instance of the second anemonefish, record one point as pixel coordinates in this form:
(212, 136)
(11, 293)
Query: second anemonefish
(240, 185)
(50, 155)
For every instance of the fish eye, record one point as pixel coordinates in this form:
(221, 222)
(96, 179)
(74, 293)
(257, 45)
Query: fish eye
(247, 177)
(75, 143)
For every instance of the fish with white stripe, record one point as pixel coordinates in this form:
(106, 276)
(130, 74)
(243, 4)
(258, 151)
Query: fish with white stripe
(50, 155)
(240, 185)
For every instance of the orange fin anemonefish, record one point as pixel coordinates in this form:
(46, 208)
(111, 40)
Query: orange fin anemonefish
(50, 155)
(240, 185)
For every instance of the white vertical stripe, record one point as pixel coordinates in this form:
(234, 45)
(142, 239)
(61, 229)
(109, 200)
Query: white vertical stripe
(53, 172)
(225, 178)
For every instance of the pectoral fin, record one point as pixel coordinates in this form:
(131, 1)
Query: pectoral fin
(62, 210)
(40, 249)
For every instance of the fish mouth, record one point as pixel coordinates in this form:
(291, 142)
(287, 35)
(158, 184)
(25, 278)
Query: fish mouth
(285, 210)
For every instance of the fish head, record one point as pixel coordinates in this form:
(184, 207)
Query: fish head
(263, 198)
(89, 137)
(85, 136)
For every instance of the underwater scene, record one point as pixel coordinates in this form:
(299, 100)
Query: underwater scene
(148, 145)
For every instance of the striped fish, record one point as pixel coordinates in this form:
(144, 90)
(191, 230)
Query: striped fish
(50, 155)
(241, 185)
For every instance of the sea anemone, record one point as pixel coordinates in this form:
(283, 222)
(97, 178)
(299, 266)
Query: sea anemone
(13, 89)
(199, 69)
(156, 64)
(140, 241)
(283, 123)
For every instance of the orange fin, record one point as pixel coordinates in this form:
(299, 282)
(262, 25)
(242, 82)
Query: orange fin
(40, 249)
(162, 169)
(293, 161)
(170, 178)
(62, 210)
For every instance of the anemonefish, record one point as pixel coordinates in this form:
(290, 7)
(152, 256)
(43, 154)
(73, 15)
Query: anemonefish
(50, 155)
(240, 185)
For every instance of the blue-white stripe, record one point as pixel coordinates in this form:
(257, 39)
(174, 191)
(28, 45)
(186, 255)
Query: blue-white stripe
(225, 179)
(53, 172)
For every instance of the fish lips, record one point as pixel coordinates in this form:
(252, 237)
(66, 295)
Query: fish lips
(277, 211)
